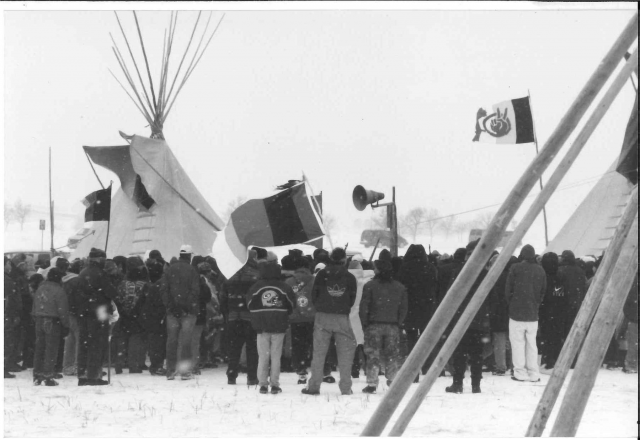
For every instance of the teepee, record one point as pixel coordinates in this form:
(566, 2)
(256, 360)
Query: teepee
(591, 227)
(157, 206)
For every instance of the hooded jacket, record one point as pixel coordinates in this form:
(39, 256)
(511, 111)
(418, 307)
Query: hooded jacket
(181, 289)
(553, 309)
(94, 290)
(302, 285)
(22, 289)
(270, 300)
(498, 303)
(334, 290)
(421, 281)
(525, 288)
(573, 282)
(152, 310)
(233, 297)
(383, 303)
(447, 273)
(51, 301)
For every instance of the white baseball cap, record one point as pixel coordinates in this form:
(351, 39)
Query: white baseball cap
(186, 249)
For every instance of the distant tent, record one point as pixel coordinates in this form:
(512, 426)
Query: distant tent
(157, 205)
(591, 227)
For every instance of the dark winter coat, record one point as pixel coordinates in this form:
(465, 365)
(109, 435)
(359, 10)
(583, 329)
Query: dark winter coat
(70, 285)
(447, 273)
(128, 302)
(498, 304)
(181, 289)
(12, 299)
(553, 310)
(203, 299)
(233, 297)
(94, 290)
(383, 303)
(51, 301)
(526, 285)
(573, 282)
(334, 290)
(270, 300)
(302, 285)
(481, 321)
(631, 304)
(152, 310)
(26, 300)
(421, 281)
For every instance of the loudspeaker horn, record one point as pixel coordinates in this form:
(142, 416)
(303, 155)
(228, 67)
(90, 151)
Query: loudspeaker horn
(364, 197)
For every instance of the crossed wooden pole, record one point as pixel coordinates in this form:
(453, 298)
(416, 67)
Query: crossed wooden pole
(619, 257)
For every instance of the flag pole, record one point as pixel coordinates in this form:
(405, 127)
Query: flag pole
(51, 205)
(535, 141)
(108, 221)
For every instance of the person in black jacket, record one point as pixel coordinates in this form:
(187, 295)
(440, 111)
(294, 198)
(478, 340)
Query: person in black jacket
(334, 293)
(471, 345)
(630, 311)
(12, 313)
(93, 300)
(271, 300)
(553, 313)
(420, 277)
(500, 320)
(573, 282)
(233, 304)
(71, 343)
(152, 318)
(128, 333)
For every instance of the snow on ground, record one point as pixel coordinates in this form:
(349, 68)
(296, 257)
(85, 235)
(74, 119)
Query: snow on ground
(142, 405)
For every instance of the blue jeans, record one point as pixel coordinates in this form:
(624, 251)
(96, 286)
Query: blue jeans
(179, 334)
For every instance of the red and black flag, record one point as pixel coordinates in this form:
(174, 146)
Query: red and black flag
(508, 122)
(98, 205)
(288, 217)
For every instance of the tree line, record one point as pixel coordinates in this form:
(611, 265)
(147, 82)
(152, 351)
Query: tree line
(17, 212)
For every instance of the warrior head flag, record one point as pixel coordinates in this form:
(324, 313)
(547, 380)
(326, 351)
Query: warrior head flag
(285, 218)
(508, 122)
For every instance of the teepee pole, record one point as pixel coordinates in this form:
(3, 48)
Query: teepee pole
(496, 270)
(494, 232)
(144, 89)
(590, 304)
(598, 339)
(146, 62)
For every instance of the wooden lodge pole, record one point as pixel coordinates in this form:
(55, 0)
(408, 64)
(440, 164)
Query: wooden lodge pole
(581, 324)
(598, 339)
(485, 287)
(494, 232)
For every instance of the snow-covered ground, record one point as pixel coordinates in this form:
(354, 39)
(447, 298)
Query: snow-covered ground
(142, 405)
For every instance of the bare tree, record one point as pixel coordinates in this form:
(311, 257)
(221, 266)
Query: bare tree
(21, 212)
(329, 224)
(9, 215)
(447, 225)
(431, 222)
(413, 221)
(483, 220)
(461, 228)
(378, 219)
(233, 205)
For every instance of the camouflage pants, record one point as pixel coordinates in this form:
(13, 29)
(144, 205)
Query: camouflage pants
(382, 347)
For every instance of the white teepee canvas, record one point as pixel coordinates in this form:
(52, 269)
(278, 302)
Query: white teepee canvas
(591, 227)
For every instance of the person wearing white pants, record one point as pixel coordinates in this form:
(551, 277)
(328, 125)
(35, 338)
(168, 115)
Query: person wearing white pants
(524, 351)
(524, 290)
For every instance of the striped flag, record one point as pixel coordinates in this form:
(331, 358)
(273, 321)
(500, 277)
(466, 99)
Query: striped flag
(508, 122)
(98, 205)
(285, 218)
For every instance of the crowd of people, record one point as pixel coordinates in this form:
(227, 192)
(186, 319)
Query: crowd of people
(306, 314)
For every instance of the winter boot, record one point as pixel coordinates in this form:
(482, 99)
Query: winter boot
(329, 379)
(475, 387)
(252, 382)
(264, 389)
(275, 390)
(8, 375)
(309, 392)
(231, 381)
(37, 381)
(369, 389)
(158, 372)
(455, 388)
(50, 383)
(83, 382)
(118, 370)
(97, 382)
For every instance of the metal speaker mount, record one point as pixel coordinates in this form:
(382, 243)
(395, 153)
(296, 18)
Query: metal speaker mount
(364, 197)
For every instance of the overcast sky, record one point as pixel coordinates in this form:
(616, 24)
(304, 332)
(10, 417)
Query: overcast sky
(377, 98)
